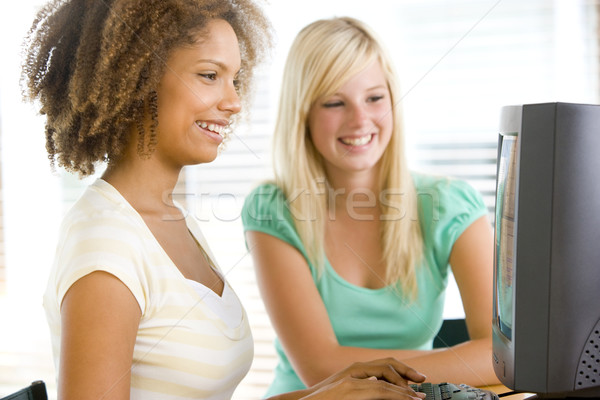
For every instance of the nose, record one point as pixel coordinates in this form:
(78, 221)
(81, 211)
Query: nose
(358, 117)
(231, 100)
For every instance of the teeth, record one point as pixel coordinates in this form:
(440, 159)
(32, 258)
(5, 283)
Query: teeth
(357, 141)
(211, 127)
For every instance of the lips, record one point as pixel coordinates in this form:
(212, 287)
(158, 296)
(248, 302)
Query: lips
(357, 141)
(213, 127)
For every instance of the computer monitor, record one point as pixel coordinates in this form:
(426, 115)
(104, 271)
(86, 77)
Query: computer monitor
(546, 327)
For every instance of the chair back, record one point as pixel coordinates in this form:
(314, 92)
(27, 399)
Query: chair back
(35, 391)
(452, 332)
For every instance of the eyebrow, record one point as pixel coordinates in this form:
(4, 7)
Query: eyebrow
(215, 62)
(382, 86)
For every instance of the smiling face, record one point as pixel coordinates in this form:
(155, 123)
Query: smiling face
(197, 97)
(352, 127)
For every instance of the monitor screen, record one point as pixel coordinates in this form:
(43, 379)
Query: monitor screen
(505, 239)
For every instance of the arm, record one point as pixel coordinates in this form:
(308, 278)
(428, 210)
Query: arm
(99, 322)
(471, 260)
(298, 313)
(303, 327)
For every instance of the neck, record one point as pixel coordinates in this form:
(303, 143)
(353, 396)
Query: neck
(350, 190)
(148, 188)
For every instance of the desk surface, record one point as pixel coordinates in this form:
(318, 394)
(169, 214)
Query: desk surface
(499, 389)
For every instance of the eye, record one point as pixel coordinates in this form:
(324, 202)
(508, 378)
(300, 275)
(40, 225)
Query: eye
(209, 75)
(332, 104)
(374, 99)
(237, 84)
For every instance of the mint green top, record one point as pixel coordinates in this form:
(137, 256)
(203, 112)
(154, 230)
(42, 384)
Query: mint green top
(377, 318)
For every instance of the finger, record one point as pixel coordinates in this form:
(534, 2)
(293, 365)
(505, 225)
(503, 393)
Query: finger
(418, 394)
(406, 372)
(389, 379)
(388, 369)
(363, 389)
(386, 390)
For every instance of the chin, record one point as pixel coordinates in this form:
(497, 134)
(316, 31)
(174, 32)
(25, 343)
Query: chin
(362, 167)
(207, 160)
(202, 159)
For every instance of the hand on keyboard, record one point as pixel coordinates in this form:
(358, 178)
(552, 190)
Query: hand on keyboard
(449, 391)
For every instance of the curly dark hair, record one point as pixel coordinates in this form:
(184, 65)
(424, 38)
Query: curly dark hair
(94, 66)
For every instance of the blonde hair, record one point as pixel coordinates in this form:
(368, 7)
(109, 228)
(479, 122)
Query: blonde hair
(324, 55)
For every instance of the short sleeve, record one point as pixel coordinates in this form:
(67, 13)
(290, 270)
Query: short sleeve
(103, 242)
(266, 210)
(446, 208)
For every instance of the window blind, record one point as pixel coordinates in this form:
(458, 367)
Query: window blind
(2, 259)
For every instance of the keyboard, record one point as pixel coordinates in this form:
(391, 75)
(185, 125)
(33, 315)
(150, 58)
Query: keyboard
(449, 391)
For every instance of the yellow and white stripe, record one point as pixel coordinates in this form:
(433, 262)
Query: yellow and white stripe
(185, 348)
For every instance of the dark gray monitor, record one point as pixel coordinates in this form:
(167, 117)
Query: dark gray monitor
(546, 327)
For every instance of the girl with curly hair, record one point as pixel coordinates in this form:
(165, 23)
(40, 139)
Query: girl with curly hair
(137, 306)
